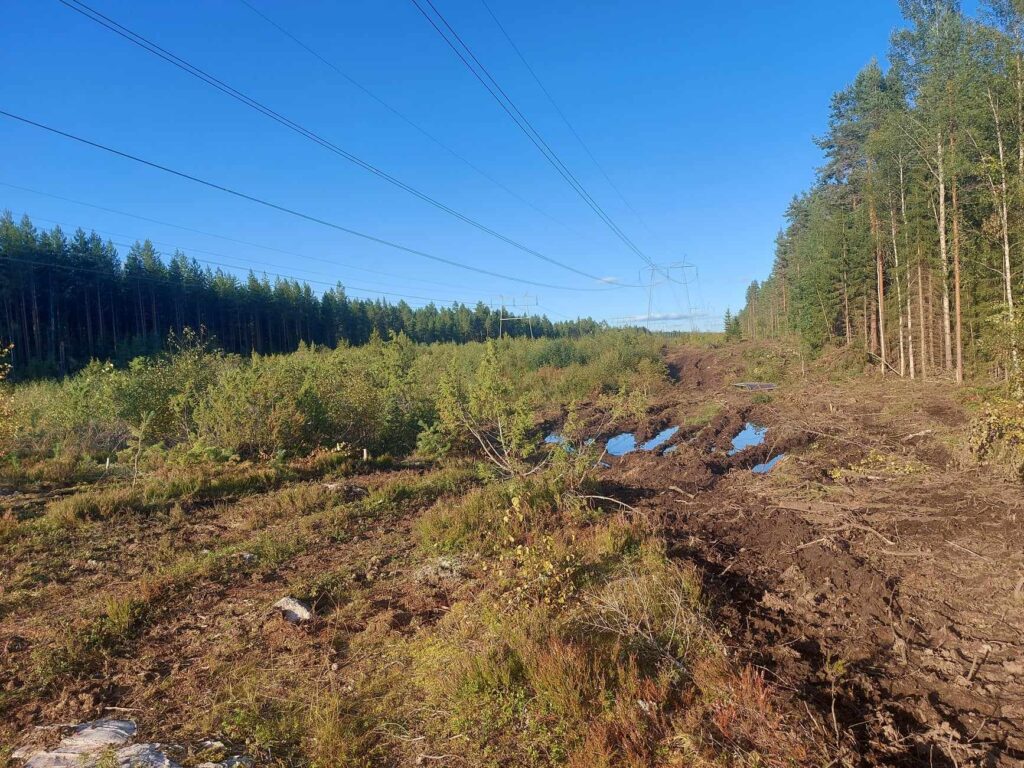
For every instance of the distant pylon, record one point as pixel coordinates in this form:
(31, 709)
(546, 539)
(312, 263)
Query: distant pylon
(676, 273)
(516, 304)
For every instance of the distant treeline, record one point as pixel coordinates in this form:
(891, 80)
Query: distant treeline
(66, 300)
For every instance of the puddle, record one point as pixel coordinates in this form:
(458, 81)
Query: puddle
(750, 435)
(622, 444)
(556, 439)
(670, 449)
(662, 437)
(763, 469)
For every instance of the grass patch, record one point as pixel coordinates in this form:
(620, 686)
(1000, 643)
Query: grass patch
(80, 652)
(704, 414)
(99, 504)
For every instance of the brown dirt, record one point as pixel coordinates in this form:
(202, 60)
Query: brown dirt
(875, 573)
(215, 629)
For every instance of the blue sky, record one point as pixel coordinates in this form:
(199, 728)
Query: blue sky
(702, 114)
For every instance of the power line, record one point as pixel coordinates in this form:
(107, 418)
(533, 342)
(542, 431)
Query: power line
(247, 243)
(291, 211)
(407, 120)
(250, 266)
(561, 114)
(187, 282)
(220, 85)
(506, 103)
(550, 311)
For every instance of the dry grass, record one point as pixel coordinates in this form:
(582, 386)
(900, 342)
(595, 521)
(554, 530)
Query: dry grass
(568, 637)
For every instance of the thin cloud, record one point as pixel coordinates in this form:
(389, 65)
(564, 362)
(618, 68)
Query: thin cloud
(663, 316)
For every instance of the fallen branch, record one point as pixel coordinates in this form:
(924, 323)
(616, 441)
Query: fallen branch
(866, 529)
(954, 545)
(608, 498)
(822, 540)
(922, 433)
(680, 491)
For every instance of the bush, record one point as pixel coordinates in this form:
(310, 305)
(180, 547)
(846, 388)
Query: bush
(491, 412)
(78, 415)
(99, 504)
(386, 397)
(999, 433)
(164, 392)
(259, 408)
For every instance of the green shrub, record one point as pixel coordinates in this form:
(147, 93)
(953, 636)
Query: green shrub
(164, 392)
(77, 415)
(259, 408)
(386, 397)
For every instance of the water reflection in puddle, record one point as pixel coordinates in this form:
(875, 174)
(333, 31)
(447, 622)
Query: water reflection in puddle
(664, 436)
(556, 439)
(751, 435)
(763, 469)
(622, 444)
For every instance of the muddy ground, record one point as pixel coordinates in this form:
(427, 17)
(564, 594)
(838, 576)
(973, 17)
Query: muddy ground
(876, 572)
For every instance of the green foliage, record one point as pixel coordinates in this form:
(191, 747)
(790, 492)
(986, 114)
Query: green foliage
(79, 652)
(106, 305)
(7, 423)
(491, 411)
(732, 327)
(99, 504)
(164, 392)
(911, 227)
(259, 408)
(999, 434)
(195, 405)
(769, 364)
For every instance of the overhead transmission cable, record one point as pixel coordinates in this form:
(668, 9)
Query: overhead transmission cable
(407, 120)
(562, 115)
(220, 85)
(188, 282)
(292, 211)
(249, 264)
(168, 281)
(462, 50)
(247, 243)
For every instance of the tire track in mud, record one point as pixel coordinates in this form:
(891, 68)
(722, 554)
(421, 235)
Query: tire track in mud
(885, 603)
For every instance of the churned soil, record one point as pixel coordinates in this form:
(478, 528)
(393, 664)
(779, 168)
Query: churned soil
(876, 572)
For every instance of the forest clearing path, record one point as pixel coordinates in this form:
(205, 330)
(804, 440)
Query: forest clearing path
(876, 572)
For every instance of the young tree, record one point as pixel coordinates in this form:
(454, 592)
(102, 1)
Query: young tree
(6, 405)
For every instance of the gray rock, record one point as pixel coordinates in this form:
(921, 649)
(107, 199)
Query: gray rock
(440, 571)
(86, 741)
(143, 756)
(91, 744)
(236, 761)
(294, 610)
